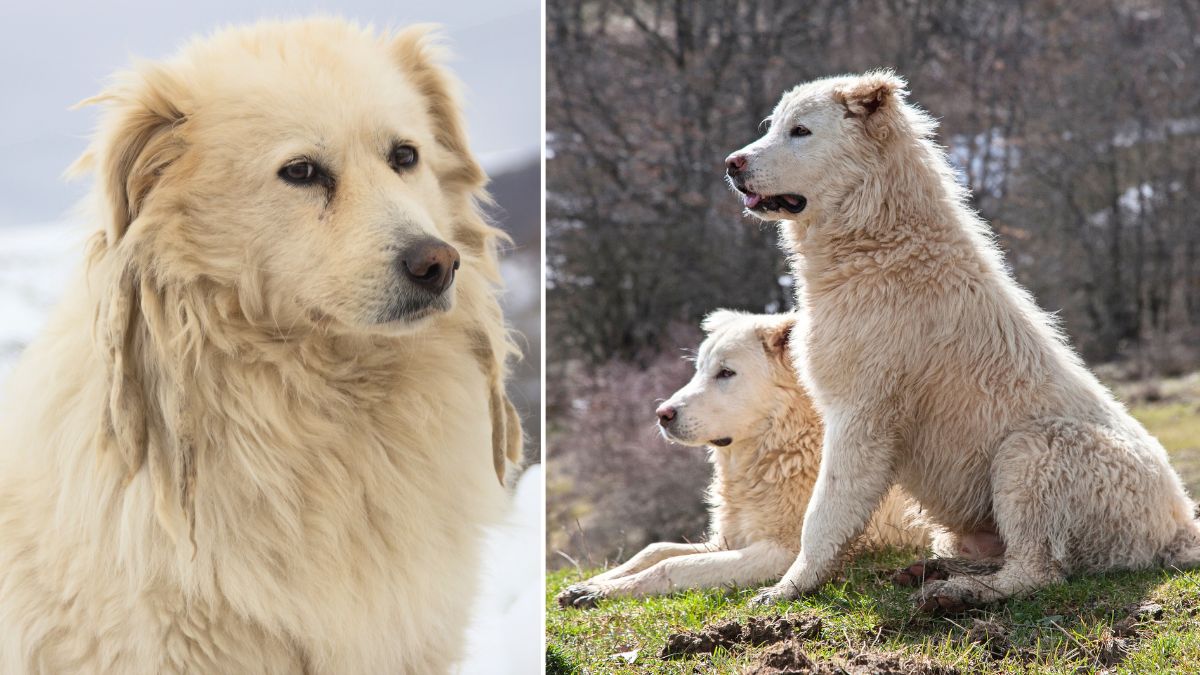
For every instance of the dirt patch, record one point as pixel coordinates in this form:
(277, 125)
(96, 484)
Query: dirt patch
(789, 659)
(1114, 646)
(992, 635)
(731, 635)
(1125, 628)
(786, 658)
(1136, 615)
(1146, 611)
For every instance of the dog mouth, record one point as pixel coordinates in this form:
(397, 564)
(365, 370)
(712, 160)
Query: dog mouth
(721, 442)
(760, 203)
(791, 203)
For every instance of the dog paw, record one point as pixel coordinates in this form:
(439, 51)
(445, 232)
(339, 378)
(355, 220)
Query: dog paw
(943, 597)
(579, 596)
(918, 573)
(773, 595)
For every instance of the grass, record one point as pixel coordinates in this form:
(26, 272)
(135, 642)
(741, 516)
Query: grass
(1176, 424)
(1063, 629)
(1174, 419)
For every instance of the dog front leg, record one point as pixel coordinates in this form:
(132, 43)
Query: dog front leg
(855, 473)
(652, 555)
(741, 567)
(647, 557)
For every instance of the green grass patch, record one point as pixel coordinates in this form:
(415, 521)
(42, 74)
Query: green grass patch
(1062, 629)
(1176, 425)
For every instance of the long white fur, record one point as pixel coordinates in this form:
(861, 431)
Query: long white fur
(214, 459)
(935, 370)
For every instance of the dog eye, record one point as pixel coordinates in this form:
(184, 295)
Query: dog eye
(800, 130)
(402, 157)
(300, 172)
(725, 374)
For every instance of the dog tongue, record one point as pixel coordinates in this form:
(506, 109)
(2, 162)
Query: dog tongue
(751, 200)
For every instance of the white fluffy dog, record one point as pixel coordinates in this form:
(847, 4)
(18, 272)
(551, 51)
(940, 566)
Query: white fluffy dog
(935, 370)
(262, 432)
(747, 405)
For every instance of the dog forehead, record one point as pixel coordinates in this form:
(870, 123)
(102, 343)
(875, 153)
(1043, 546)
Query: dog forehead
(732, 340)
(308, 117)
(805, 99)
(306, 73)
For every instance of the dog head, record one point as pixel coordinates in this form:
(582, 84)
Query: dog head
(734, 393)
(279, 178)
(319, 169)
(818, 134)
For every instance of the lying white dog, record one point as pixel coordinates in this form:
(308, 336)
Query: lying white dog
(747, 405)
(935, 370)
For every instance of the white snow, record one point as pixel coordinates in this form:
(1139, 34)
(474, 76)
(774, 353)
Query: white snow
(37, 261)
(506, 636)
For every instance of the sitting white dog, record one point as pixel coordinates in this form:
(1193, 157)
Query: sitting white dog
(936, 371)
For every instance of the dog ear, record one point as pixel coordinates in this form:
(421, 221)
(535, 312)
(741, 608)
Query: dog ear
(138, 139)
(874, 100)
(146, 420)
(515, 445)
(132, 147)
(508, 440)
(118, 319)
(775, 337)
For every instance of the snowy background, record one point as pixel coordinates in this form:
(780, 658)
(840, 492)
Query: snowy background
(66, 51)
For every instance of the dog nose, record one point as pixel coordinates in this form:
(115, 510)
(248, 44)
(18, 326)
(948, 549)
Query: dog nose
(735, 164)
(430, 264)
(665, 414)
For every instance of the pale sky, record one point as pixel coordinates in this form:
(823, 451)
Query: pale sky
(55, 54)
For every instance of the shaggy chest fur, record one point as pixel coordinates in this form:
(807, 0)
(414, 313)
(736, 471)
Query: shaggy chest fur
(761, 486)
(324, 513)
(920, 329)
(890, 338)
